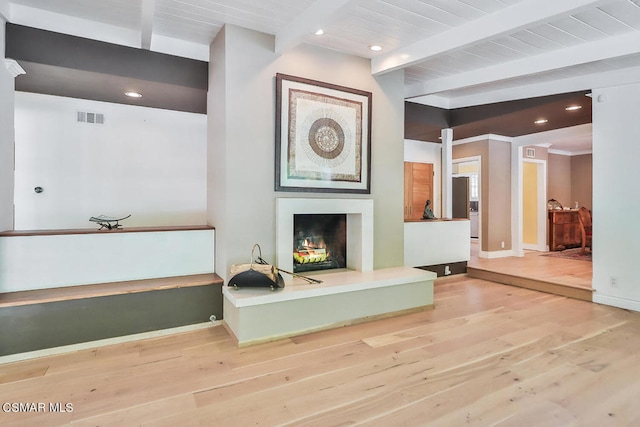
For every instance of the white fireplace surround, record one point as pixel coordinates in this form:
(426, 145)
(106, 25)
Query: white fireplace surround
(359, 228)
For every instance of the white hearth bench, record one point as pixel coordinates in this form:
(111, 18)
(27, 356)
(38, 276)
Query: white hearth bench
(255, 315)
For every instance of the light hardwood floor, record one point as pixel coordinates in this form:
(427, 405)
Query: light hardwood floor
(488, 354)
(536, 265)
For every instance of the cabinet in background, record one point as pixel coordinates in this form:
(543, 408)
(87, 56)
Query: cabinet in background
(564, 229)
(418, 187)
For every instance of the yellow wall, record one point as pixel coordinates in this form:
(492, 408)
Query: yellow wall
(530, 203)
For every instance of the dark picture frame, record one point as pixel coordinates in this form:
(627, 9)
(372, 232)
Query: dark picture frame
(323, 137)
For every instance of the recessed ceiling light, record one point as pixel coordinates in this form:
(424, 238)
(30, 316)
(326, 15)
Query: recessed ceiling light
(375, 48)
(573, 107)
(541, 121)
(319, 32)
(131, 94)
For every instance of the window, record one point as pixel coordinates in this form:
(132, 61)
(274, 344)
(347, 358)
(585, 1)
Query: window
(473, 187)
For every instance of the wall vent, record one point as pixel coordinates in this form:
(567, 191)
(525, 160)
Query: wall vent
(90, 117)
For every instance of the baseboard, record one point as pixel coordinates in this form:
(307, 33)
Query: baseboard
(101, 343)
(495, 254)
(539, 248)
(616, 301)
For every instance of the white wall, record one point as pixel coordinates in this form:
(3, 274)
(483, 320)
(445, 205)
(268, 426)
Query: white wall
(241, 140)
(616, 233)
(4, 14)
(428, 152)
(147, 162)
(6, 137)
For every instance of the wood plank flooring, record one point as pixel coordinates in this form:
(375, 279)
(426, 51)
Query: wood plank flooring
(487, 354)
(535, 264)
(536, 271)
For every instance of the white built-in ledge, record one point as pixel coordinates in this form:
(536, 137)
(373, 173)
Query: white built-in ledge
(43, 259)
(256, 315)
(434, 242)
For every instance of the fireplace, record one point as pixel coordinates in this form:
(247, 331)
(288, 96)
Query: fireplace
(319, 242)
(359, 228)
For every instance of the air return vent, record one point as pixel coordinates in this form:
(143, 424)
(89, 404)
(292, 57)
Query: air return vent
(90, 117)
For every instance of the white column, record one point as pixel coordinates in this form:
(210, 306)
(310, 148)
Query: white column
(447, 172)
(516, 200)
(9, 69)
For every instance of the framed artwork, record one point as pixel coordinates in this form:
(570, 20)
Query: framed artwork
(323, 137)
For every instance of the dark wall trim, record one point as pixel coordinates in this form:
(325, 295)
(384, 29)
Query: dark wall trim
(441, 269)
(509, 118)
(46, 325)
(75, 67)
(61, 50)
(424, 122)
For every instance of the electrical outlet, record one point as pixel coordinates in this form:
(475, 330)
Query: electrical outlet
(613, 282)
(502, 244)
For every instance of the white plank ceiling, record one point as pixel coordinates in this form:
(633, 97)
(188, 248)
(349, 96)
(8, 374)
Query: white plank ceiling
(455, 53)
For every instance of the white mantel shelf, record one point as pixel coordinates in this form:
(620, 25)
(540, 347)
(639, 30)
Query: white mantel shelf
(256, 315)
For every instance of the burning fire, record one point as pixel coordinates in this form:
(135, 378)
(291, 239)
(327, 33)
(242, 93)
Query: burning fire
(311, 252)
(310, 244)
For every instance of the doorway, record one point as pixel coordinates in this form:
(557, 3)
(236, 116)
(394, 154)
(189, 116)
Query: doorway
(534, 205)
(461, 198)
(466, 193)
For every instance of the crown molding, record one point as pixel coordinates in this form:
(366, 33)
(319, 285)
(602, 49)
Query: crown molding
(484, 137)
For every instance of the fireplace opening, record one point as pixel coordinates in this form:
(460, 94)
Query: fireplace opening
(319, 242)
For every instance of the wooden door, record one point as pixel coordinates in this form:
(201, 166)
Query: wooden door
(422, 188)
(460, 196)
(418, 188)
(408, 189)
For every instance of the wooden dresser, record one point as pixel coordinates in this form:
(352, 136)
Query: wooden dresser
(564, 229)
